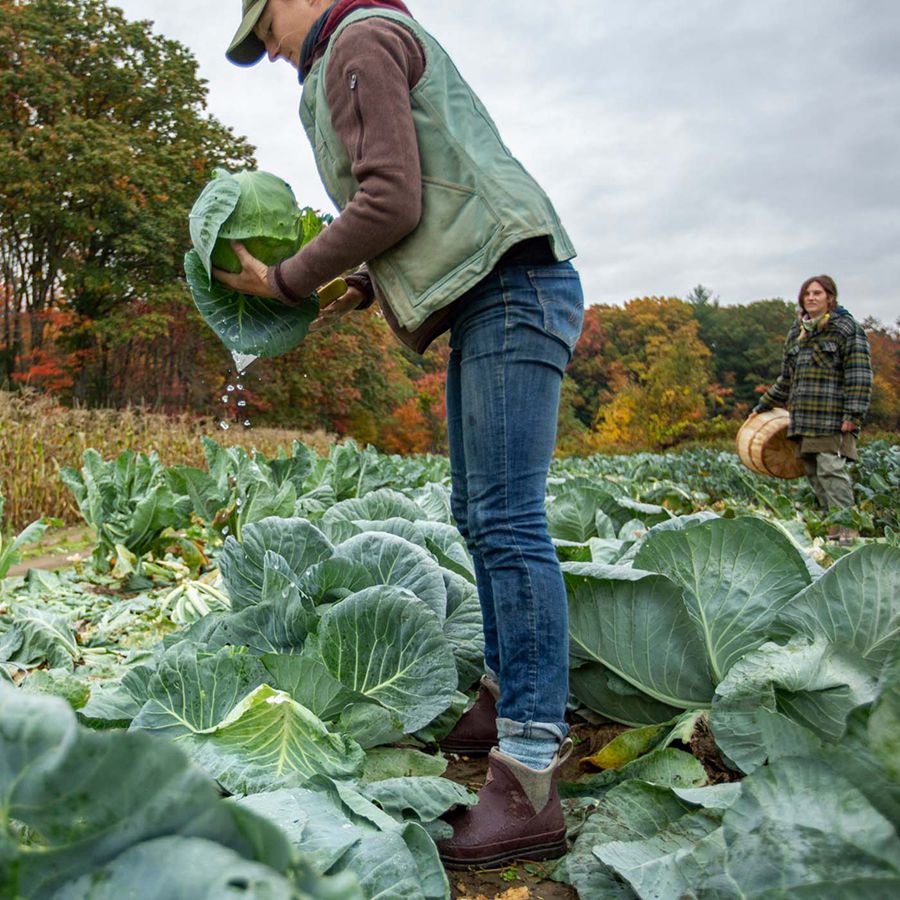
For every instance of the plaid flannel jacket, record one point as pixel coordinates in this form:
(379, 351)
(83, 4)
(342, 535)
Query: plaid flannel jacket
(825, 379)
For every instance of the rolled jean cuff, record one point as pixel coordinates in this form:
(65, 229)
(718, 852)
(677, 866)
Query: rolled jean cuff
(545, 731)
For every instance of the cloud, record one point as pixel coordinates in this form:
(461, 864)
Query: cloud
(744, 145)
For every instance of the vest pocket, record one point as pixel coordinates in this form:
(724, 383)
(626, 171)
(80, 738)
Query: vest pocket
(454, 228)
(558, 289)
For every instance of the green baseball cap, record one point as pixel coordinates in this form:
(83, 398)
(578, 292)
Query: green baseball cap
(246, 48)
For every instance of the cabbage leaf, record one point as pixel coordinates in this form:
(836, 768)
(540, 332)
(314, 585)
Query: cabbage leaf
(260, 210)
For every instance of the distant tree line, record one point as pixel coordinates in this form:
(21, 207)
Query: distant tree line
(104, 144)
(660, 371)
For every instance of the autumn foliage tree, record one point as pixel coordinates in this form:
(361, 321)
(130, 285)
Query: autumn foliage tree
(347, 380)
(884, 342)
(104, 144)
(652, 403)
(613, 347)
(657, 371)
(419, 424)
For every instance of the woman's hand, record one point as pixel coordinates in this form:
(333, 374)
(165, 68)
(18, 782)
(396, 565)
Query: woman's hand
(337, 309)
(252, 277)
(847, 426)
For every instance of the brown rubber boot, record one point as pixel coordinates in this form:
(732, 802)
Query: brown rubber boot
(518, 816)
(476, 731)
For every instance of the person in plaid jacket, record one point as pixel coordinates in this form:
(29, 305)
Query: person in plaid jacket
(826, 385)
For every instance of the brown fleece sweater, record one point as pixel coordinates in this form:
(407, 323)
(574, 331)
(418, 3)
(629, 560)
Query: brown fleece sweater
(374, 65)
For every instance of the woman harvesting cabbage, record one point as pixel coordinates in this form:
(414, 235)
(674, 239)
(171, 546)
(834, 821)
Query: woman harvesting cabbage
(455, 236)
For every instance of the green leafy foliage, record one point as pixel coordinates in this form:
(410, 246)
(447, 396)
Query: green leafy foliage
(736, 575)
(10, 550)
(99, 172)
(351, 618)
(103, 810)
(667, 843)
(385, 644)
(729, 619)
(126, 501)
(39, 636)
(268, 741)
(346, 833)
(192, 691)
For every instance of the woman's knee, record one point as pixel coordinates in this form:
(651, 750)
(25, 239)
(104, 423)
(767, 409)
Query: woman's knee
(498, 530)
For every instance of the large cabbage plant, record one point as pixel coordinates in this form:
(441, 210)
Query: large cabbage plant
(86, 814)
(260, 210)
(726, 615)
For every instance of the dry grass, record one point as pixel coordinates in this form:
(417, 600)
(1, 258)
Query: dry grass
(38, 438)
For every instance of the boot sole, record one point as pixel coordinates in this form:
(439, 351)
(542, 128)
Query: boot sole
(550, 850)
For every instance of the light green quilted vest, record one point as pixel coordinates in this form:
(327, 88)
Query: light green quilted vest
(477, 199)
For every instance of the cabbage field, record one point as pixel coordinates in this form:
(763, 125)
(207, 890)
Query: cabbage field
(240, 692)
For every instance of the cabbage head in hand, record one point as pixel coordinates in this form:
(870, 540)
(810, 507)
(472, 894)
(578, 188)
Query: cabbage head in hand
(260, 210)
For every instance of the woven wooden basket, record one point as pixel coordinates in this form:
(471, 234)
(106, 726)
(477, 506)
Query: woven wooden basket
(763, 446)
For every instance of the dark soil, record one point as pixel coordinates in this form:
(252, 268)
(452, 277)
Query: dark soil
(703, 746)
(512, 883)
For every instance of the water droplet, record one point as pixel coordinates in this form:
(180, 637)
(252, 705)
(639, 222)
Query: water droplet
(305, 375)
(242, 403)
(224, 529)
(240, 387)
(224, 426)
(224, 398)
(238, 503)
(229, 388)
(242, 361)
(246, 423)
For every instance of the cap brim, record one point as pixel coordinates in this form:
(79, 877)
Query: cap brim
(246, 48)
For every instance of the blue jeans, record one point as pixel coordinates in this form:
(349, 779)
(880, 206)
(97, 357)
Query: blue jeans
(510, 344)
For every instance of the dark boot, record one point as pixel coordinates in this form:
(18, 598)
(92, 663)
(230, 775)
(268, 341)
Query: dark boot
(518, 816)
(476, 731)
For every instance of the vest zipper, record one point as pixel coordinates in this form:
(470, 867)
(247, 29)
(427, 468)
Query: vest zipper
(354, 80)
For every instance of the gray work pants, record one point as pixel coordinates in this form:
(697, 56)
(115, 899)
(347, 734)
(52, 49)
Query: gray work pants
(829, 479)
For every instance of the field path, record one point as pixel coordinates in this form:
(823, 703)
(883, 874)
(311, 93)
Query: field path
(40, 562)
(55, 549)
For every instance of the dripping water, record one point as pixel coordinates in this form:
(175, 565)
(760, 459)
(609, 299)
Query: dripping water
(234, 393)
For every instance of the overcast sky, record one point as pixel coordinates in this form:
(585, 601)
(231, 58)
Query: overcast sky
(741, 144)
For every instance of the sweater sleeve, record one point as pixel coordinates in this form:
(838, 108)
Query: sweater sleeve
(373, 66)
(857, 377)
(778, 393)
